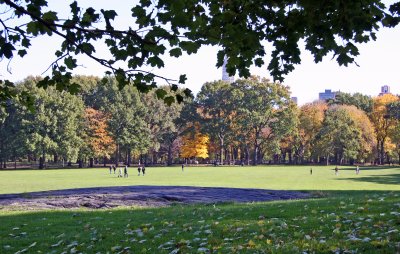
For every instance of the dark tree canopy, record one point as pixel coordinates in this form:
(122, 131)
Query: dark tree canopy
(169, 28)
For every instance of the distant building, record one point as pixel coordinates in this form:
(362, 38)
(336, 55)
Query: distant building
(328, 94)
(384, 90)
(294, 99)
(225, 75)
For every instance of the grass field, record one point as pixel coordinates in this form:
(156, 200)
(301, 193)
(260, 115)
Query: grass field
(263, 177)
(353, 214)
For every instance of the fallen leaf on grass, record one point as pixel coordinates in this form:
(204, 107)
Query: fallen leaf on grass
(57, 244)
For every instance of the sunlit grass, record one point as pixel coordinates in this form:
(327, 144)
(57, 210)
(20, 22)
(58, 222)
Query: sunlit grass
(263, 177)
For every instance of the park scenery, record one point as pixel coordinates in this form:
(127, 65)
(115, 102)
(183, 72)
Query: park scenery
(132, 161)
(117, 171)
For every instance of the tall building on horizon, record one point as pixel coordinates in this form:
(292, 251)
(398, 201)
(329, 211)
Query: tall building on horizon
(225, 75)
(384, 90)
(328, 94)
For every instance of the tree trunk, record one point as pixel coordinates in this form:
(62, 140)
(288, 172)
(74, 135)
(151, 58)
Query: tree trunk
(327, 160)
(255, 158)
(42, 160)
(247, 155)
(399, 158)
(105, 161)
(221, 151)
(117, 155)
(80, 163)
(129, 162)
(169, 160)
(91, 160)
(382, 152)
(55, 158)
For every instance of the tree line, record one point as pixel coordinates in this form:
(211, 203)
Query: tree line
(249, 121)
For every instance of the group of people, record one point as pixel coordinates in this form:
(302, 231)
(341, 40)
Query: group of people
(337, 170)
(141, 168)
(113, 168)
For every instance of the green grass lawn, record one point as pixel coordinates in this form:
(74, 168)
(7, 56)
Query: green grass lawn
(354, 214)
(361, 222)
(263, 177)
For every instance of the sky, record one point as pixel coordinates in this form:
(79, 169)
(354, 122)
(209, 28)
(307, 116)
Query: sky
(378, 62)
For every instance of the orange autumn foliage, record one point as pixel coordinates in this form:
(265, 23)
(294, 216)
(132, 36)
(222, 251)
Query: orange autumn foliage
(98, 138)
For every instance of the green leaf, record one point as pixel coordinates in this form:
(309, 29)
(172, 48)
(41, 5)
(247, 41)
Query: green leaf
(175, 52)
(155, 61)
(22, 52)
(58, 53)
(188, 93)
(161, 93)
(25, 42)
(179, 98)
(87, 48)
(109, 14)
(189, 47)
(182, 79)
(50, 17)
(32, 28)
(70, 62)
(174, 88)
(169, 100)
(74, 88)
(7, 50)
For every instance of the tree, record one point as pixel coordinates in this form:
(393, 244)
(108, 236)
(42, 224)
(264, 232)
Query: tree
(363, 102)
(161, 121)
(163, 28)
(98, 141)
(366, 128)
(214, 103)
(266, 114)
(339, 136)
(12, 134)
(383, 123)
(311, 116)
(393, 112)
(126, 122)
(52, 129)
(194, 146)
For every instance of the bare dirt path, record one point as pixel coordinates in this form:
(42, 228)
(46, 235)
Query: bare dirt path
(147, 196)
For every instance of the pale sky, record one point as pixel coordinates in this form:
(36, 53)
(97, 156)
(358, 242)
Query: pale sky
(378, 61)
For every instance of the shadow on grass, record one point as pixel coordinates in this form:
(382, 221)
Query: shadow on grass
(392, 179)
(353, 168)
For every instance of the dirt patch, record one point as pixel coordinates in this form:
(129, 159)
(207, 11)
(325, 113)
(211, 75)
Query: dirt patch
(145, 196)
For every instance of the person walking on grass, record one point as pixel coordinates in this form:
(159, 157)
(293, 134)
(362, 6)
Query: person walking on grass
(143, 170)
(139, 169)
(114, 168)
(336, 170)
(310, 171)
(126, 171)
(357, 170)
(183, 167)
(110, 169)
(119, 172)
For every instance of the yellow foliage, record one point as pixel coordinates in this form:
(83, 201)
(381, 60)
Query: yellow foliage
(382, 124)
(195, 146)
